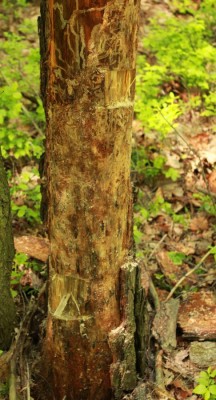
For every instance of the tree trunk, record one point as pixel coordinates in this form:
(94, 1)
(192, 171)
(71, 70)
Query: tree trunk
(7, 309)
(88, 50)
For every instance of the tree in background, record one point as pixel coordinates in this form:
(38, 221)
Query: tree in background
(7, 309)
(88, 51)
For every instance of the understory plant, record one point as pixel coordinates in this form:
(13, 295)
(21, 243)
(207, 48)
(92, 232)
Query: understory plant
(22, 118)
(175, 75)
(206, 387)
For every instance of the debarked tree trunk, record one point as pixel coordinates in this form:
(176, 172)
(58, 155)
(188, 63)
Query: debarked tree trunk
(88, 50)
(7, 308)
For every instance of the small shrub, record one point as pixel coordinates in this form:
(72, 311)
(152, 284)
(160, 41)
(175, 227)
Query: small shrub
(206, 384)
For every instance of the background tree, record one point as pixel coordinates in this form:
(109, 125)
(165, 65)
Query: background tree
(7, 309)
(88, 51)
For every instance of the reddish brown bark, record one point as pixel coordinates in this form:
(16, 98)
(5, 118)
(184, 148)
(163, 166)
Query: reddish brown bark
(88, 69)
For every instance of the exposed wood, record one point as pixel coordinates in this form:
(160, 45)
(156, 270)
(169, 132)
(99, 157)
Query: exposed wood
(88, 52)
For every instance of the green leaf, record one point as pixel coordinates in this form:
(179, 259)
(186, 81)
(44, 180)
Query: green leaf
(14, 293)
(200, 389)
(137, 235)
(176, 258)
(207, 395)
(144, 213)
(172, 173)
(22, 211)
(203, 381)
(213, 251)
(159, 162)
(204, 374)
(212, 389)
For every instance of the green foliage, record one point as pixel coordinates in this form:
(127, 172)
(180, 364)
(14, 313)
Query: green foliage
(17, 273)
(206, 202)
(176, 257)
(213, 251)
(183, 6)
(207, 384)
(26, 196)
(142, 164)
(150, 167)
(21, 111)
(183, 47)
(175, 74)
(4, 387)
(184, 55)
(210, 103)
(22, 118)
(152, 109)
(20, 266)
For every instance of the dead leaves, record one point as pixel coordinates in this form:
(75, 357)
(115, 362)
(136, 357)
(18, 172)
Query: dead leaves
(33, 246)
(199, 223)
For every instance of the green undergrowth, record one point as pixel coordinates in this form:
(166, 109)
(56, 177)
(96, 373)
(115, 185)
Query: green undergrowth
(206, 387)
(177, 71)
(175, 76)
(26, 269)
(21, 112)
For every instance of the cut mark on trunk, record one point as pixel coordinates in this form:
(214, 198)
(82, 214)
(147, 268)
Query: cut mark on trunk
(70, 295)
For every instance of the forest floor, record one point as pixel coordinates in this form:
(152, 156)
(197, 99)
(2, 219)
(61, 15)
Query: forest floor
(175, 220)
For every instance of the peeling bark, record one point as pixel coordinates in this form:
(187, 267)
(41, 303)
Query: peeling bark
(164, 325)
(126, 351)
(7, 309)
(88, 52)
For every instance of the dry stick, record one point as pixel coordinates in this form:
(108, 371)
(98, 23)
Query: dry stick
(159, 369)
(154, 295)
(27, 113)
(11, 355)
(187, 274)
(152, 289)
(28, 391)
(157, 245)
(196, 154)
(12, 380)
(206, 192)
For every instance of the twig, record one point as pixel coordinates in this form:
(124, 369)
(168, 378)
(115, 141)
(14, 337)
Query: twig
(157, 245)
(187, 274)
(153, 291)
(154, 295)
(12, 380)
(18, 344)
(28, 392)
(27, 113)
(206, 192)
(159, 370)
